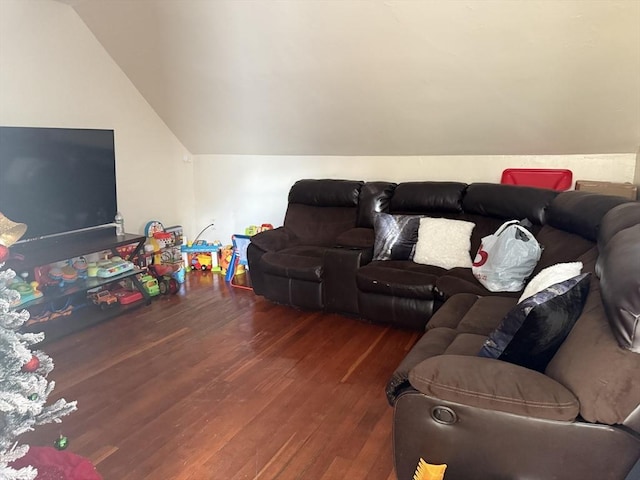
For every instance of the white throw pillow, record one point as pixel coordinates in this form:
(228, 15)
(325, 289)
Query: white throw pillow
(444, 243)
(550, 276)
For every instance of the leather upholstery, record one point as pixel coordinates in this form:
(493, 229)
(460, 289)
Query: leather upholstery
(581, 212)
(620, 279)
(374, 198)
(326, 193)
(427, 197)
(508, 201)
(486, 444)
(321, 259)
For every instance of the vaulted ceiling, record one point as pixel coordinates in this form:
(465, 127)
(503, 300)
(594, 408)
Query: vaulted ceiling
(357, 77)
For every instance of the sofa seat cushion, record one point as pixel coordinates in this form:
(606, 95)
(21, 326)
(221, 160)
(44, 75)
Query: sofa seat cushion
(399, 278)
(459, 327)
(301, 263)
(491, 384)
(461, 280)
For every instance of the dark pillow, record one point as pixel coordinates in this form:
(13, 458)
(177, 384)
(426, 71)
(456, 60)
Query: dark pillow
(532, 332)
(395, 236)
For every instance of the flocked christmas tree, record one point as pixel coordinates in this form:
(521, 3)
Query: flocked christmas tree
(24, 387)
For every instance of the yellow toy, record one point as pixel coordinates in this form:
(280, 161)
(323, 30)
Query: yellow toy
(426, 471)
(226, 253)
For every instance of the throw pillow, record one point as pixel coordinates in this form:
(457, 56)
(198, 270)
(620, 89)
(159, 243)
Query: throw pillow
(549, 276)
(395, 236)
(444, 243)
(532, 332)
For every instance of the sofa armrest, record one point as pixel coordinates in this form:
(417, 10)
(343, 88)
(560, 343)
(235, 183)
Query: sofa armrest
(361, 238)
(274, 240)
(493, 384)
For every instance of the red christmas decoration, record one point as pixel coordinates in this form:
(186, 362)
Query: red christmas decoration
(53, 464)
(32, 365)
(4, 253)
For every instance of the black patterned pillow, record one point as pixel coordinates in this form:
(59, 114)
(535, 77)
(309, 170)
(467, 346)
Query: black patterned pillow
(532, 332)
(395, 236)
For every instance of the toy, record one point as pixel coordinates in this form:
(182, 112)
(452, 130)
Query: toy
(238, 263)
(114, 267)
(428, 471)
(104, 299)
(166, 283)
(27, 291)
(150, 285)
(251, 230)
(201, 261)
(200, 255)
(225, 256)
(125, 297)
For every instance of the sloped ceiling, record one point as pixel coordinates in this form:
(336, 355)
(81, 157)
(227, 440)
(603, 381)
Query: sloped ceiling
(357, 77)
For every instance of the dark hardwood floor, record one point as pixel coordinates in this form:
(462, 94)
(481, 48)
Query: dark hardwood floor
(216, 383)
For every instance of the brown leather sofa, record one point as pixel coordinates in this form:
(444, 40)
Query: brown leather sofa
(486, 418)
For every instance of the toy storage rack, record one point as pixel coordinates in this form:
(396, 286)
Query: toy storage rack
(42, 252)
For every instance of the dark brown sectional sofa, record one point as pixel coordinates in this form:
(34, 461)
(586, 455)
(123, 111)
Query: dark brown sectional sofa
(578, 418)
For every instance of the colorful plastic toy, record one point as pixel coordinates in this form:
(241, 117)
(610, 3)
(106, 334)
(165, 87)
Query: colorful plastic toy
(104, 299)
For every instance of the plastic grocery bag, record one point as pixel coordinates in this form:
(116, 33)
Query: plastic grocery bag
(506, 259)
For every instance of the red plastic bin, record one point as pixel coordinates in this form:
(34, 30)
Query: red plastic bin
(551, 178)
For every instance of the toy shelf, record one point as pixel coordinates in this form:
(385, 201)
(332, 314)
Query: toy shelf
(78, 286)
(37, 253)
(78, 320)
(41, 252)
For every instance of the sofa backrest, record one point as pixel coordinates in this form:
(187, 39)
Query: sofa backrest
(508, 202)
(320, 210)
(581, 212)
(427, 198)
(600, 359)
(619, 270)
(374, 198)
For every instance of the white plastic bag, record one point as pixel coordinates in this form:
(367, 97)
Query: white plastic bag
(506, 259)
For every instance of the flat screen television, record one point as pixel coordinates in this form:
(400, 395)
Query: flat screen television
(57, 180)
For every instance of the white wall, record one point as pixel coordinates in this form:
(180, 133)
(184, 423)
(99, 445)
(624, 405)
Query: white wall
(237, 191)
(54, 73)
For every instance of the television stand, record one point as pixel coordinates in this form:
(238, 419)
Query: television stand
(69, 307)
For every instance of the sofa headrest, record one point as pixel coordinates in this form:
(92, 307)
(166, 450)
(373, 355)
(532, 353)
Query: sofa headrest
(581, 212)
(326, 193)
(619, 270)
(427, 197)
(508, 201)
(374, 198)
(618, 218)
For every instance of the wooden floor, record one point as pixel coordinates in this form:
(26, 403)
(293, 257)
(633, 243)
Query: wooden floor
(216, 383)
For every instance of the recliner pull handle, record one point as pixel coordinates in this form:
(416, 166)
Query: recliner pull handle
(444, 415)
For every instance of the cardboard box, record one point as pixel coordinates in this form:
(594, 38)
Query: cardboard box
(626, 190)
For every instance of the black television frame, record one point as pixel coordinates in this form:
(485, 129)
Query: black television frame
(58, 180)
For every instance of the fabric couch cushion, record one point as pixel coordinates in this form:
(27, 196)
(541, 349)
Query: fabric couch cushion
(444, 243)
(590, 363)
(490, 384)
(531, 333)
(559, 247)
(395, 236)
(460, 326)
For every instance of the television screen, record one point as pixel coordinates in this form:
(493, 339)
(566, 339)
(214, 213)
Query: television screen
(57, 180)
